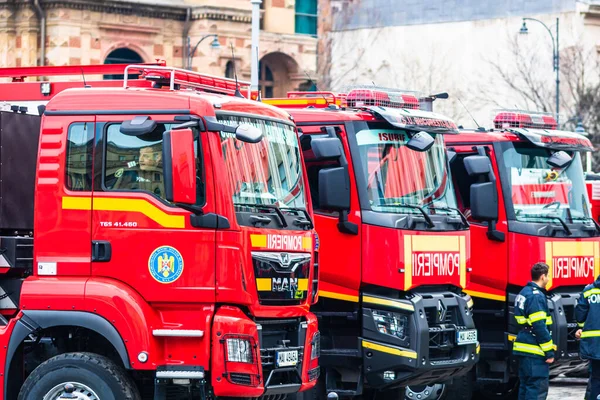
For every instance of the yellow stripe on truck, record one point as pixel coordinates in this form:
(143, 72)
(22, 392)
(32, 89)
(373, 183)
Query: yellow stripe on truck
(124, 205)
(389, 350)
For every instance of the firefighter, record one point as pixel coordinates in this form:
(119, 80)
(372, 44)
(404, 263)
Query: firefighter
(533, 346)
(587, 314)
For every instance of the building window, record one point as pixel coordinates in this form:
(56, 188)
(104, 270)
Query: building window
(267, 82)
(122, 56)
(79, 156)
(306, 17)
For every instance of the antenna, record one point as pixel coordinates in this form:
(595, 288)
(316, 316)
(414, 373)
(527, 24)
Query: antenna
(83, 75)
(469, 112)
(237, 86)
(313, 82)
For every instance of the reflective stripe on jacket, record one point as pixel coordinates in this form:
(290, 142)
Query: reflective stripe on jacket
(531, 313)
(587, 314)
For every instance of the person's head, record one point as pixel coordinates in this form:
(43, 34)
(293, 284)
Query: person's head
(150, 157)
(539, 274)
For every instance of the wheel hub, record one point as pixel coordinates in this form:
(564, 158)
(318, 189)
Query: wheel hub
(425, 392)
(80, 392)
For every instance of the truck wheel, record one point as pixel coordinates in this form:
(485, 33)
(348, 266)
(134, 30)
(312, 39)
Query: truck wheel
(94, 377)
(434, 391)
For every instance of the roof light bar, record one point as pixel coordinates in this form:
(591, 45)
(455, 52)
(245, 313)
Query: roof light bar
(505, 119)
(364, 96)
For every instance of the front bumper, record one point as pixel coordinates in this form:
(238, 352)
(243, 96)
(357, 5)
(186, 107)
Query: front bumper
(268, 337)
(429, 352)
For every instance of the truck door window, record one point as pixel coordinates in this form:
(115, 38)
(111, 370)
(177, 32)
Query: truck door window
(313, 167)
(134, 163)
(79, 156)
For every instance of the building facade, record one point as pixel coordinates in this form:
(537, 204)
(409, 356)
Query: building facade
(71, 32)
(472, 49)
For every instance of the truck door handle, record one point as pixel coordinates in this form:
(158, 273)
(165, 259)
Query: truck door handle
(101, 251)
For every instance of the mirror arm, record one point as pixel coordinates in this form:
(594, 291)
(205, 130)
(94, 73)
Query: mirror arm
(196, 210)
(346, 226)
(494, 234)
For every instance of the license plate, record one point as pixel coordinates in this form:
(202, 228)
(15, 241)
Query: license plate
(287, 358)
(466, 337)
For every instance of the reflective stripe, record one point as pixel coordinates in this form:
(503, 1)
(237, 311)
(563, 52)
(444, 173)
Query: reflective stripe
(590, 292)
(586, 334)
(520, 320)
(528, 348)
(580, 324)
(549, 320)
(537, 316)
(547, 346)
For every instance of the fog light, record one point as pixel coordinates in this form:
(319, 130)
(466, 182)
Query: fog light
(143, 357)
(239, 350)
(389, 375)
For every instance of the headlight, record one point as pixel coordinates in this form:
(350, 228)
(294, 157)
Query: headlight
(315, 351)
(391, 323)
(239, 350)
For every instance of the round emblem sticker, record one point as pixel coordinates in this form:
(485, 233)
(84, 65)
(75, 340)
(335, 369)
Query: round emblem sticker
(165, 264)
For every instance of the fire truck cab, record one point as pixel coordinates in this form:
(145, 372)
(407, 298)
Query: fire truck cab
(156, 242)
(522, 187)
(394, 249)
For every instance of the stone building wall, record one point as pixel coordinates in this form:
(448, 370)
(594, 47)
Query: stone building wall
(87, 31)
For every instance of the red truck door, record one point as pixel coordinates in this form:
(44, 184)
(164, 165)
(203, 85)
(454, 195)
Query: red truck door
(137, 236)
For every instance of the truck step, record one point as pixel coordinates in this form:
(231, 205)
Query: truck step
(348, 315)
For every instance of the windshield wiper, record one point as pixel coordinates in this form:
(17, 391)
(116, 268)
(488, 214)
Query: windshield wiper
(462, 216)
(307, 222)
(425, 215)
(267, 207)
(588, 219)
(557, 218)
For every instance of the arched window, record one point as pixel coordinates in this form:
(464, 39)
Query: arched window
(266, 80)
(122, 55)
(229, 70)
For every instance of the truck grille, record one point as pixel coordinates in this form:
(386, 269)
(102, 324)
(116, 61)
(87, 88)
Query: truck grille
(443, 325)
(281, 278)
(281, 335)
(572, 342)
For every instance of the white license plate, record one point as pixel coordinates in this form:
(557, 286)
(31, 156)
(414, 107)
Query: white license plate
(287, 358)
(466, 337)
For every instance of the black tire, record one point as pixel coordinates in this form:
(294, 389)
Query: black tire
(105, 378)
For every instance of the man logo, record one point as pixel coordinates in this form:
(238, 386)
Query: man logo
(285, 259)
(441, 312)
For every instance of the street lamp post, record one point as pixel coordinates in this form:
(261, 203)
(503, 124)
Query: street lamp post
(255, 41)
(214, 45)
(555, 59)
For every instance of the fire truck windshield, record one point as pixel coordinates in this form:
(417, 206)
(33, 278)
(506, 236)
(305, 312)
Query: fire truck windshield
(398, 178)
(540, 192)
(264, 173)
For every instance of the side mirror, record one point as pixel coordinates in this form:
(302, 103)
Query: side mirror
(179, 166)
(334, 191)
(484, 201)
(248, 133)
(560, 159)
(326, 148)
(477, 165)
(420, 141)
(138, 126)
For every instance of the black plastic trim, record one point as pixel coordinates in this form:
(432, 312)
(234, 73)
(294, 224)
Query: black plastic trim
(210, 221)
(167, 166)
(226, 113)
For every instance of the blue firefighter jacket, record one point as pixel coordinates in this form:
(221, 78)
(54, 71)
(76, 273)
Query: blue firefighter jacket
(531, 313)
(587, 314)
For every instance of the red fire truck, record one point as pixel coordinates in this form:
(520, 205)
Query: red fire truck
(522, 187)
(394, 253)
(170, 252)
